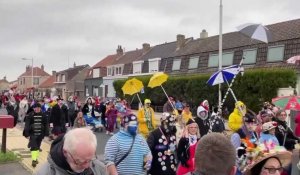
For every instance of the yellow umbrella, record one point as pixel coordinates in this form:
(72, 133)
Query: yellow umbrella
(157, 80)
(133, 86)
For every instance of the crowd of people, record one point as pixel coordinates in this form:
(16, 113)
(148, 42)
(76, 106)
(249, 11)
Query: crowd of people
(175, 143)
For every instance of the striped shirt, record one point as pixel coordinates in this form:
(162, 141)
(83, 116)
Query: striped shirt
(118, 145)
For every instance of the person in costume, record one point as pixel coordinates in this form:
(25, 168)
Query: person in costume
(23, 109)
(267, 161)
(268, 134)
(245, 137)
(36, 128)
(146, 119)
(162, 143)
(235, 120)
(202, 118)
(59, 116)
(186, 113)
(187, 147)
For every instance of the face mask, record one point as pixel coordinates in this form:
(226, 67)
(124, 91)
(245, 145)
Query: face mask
(132, 130)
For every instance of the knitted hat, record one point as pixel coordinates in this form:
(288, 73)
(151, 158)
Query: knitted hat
(268, 126)
(128, 118)
(190, 121)
(248, 118)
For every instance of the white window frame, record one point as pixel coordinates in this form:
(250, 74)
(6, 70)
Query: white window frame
(216, 56)
(63, 77)
(109, 71)
(154, 64)
(176, 64)
(279, 58)
(250, 56)
(193, 65)
(137, 67)
(96, 72)
(36, 81)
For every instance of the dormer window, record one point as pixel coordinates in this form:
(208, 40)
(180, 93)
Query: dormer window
(137, 67)
(154, 64)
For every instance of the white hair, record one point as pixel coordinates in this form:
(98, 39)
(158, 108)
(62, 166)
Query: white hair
(79, 135)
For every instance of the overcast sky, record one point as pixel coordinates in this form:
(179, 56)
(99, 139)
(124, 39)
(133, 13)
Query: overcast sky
(58, 33)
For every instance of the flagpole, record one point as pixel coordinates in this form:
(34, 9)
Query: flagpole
(220, 52)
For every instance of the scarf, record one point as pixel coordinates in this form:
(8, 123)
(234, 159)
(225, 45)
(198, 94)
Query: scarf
(148, 117)
(192, 139)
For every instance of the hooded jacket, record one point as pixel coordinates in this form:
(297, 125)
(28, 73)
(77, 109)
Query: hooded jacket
(58, 165)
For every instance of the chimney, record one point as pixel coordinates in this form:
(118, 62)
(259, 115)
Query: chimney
(203, 34)
(146, 47)
(119, 50)
(42, 67)
(180, 41)
(53, 73)
(74, 64)
(28, 68)
(4, 78)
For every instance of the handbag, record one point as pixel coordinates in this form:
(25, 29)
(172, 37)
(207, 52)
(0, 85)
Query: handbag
(125, 155)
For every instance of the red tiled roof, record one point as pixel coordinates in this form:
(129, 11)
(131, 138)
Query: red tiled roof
(3, 81)
(48, 83)
(130, 56)
(109, 60)
(36, 72)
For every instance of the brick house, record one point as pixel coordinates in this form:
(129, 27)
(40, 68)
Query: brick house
(71, 81)
(37, 74)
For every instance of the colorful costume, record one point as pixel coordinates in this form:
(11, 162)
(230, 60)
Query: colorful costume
(235, 120)
(146, 119)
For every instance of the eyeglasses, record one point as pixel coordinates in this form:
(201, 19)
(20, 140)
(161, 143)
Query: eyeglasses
(78, 162)
(273, 170)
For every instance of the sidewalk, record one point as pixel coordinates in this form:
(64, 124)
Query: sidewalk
(17, 143)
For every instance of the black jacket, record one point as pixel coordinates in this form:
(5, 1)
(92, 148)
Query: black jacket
(13, 110)
(85, 110)
(183, 151)
(36, 125)
(59, 115)
(280, 131)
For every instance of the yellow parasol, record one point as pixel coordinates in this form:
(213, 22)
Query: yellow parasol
(133, 86)
(157, 80)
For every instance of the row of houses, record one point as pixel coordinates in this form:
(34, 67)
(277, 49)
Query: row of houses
(184, 56)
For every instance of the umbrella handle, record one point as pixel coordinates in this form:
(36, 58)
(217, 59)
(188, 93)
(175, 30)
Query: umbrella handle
(167, 97)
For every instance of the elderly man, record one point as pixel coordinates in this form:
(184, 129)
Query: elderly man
(73, 153)
(215, 155)
(127, 153)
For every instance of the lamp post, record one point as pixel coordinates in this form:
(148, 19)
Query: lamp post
(220, 50)
(31, 71)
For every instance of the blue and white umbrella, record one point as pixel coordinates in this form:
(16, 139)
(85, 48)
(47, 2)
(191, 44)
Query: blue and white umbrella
(256, 31)
(224, 75)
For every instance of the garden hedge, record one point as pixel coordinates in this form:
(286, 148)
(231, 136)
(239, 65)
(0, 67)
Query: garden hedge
(253, 88)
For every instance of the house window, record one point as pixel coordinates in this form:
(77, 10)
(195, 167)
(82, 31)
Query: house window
(20, 81)
(63, 77)
(193, 63)
(176, 64)
(227, 59)
(95, 91)
(137, 67)
(250, 56)
(118, 70)
(96, 73)
(24, 80)
(57, 78)
(154, 64)
(275, 53)
(109, 71)
(87, 91)
(36, 81)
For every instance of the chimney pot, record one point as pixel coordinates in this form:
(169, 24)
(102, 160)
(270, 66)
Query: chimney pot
(146, 47)
(180, 41)
(53, 72)
(42, 67)
(203, 34)
(74, 64)
(119, 50)
(4, 78)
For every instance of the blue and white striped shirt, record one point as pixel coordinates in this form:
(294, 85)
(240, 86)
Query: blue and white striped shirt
(118, 145)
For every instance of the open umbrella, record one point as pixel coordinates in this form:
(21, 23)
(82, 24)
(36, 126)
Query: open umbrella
(133, 86)
(157, 80)
(226, 74)
(287, 102)
(256, 31)
(294, 59)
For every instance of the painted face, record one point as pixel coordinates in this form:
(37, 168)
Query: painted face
(271, 167)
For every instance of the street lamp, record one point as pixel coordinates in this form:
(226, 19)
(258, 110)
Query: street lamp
(31, 71)
(220, 49)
